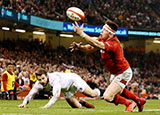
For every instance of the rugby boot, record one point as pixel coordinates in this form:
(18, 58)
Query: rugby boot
(130, 107)
(140, 104)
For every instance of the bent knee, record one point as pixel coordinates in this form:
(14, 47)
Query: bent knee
(92, 95)
(108, 97)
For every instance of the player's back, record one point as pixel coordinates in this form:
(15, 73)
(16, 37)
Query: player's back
(65, 79)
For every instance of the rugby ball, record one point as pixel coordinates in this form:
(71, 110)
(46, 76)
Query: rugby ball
(75, 14)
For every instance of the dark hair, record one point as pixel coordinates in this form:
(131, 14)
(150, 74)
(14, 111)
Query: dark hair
(112, 25)
(40, 72)
(9, 63)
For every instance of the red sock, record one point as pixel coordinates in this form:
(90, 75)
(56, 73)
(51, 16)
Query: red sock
(121, 100)
(127, 94)
(86, 104)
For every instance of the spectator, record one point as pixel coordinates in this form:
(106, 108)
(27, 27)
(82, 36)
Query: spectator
(132, 15)
(35, 57)
(33, 79)
(8, 83)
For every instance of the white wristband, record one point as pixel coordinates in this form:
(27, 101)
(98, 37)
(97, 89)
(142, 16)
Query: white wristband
(83, 35)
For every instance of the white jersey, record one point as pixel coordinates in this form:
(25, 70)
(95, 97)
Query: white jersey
(67, 83)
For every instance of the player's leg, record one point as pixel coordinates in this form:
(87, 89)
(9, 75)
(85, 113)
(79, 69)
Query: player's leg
(71, 98)
(116, 87)
(8, 96)
(11, 95)
(112, 95)
(86, 104)
(140, 101)
(118, 83)
(91, 92)
(84, 88)
(111, 91)
(127, 94)
(4, 96)
(73, 102)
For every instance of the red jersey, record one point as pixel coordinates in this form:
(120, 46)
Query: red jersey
(113, 56)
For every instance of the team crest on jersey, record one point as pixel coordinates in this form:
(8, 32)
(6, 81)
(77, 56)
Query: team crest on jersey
(102, 51)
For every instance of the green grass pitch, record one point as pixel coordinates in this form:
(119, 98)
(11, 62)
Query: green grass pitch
(61, 107)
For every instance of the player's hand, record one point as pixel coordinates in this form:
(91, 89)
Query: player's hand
(77, 29)
(22, 105)
(75, 46)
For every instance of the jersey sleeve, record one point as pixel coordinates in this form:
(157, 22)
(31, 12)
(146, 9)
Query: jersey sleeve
(17, 84)
(55, 91)
(33, 91)
(4, 79)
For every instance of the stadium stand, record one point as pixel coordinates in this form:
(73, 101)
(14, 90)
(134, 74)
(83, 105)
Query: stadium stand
(30, 55)
(145, 13)
(146, 80)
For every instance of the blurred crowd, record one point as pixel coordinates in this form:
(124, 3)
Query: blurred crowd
(155, 5)
(132, 14)
(27, 57)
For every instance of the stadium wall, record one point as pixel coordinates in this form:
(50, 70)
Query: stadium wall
(56, 40)
(134, 43)
(9, 35)
(150, 46)
(67, 41)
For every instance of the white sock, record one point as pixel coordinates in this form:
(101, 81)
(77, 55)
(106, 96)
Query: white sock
(81, 106)
(98, 92)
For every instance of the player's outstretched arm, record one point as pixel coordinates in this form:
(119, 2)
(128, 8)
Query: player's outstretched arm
(85, 48)
(75, 46)
(56, 93)
(91, 40)
(28, 98)
(50, 103)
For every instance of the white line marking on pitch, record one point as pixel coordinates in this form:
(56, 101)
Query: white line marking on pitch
(151, 110)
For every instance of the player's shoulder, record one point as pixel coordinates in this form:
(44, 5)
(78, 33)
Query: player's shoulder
(61, 74)
(4, 74)
(54, 73)
(73, 75)
(114, 41)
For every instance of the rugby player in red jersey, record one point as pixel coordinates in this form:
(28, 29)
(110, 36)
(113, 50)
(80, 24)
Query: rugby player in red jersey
(115, 62)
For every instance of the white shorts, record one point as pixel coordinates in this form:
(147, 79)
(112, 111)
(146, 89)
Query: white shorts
(79, 85)
(123, 78)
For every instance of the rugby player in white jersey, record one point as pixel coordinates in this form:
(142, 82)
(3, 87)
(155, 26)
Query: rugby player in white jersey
(67, 83)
